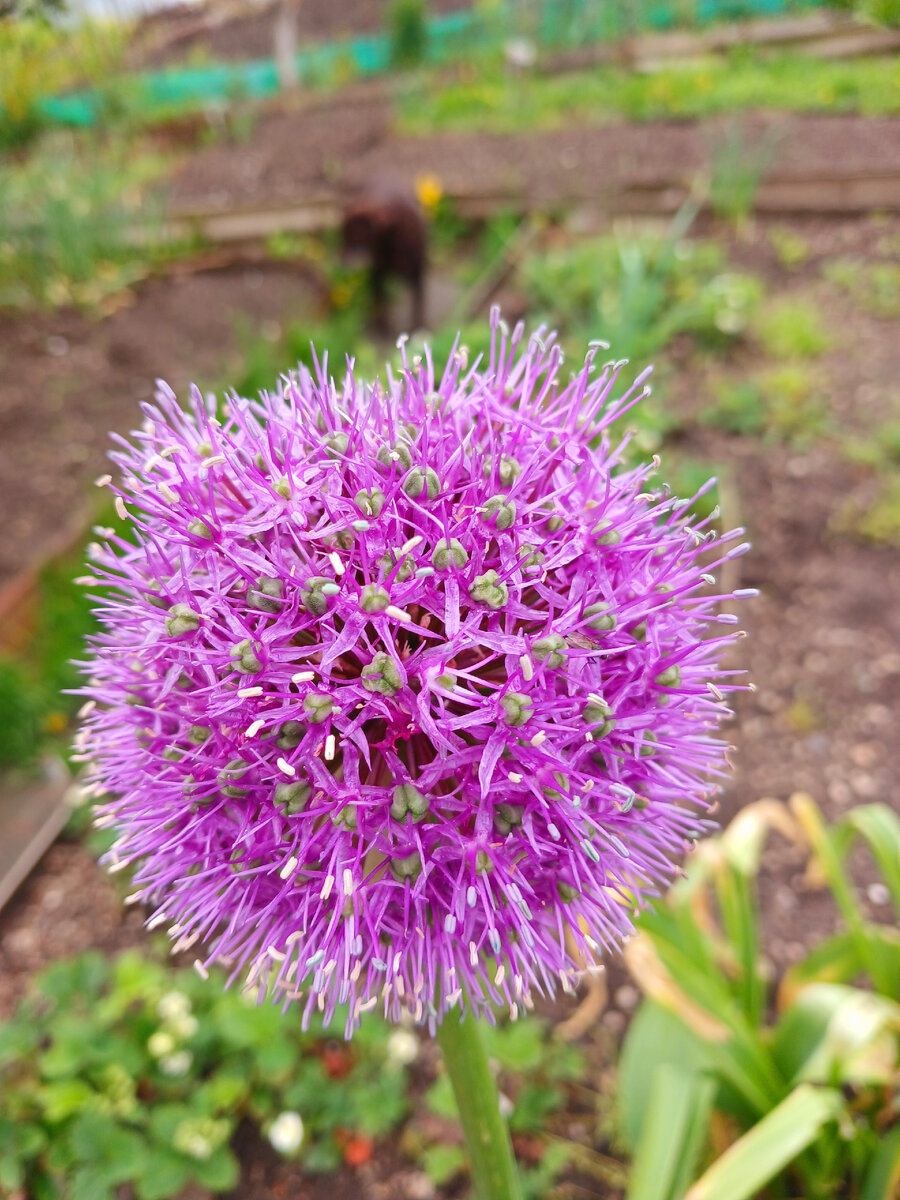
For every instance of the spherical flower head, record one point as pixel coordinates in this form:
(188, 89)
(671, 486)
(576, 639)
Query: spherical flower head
(407, 691)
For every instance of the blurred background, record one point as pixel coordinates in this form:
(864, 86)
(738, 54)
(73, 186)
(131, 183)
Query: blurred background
(199, 192)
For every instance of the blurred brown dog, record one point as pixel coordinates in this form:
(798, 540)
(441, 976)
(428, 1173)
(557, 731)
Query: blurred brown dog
(388, 230)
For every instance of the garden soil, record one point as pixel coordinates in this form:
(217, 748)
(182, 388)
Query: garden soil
(823, 636)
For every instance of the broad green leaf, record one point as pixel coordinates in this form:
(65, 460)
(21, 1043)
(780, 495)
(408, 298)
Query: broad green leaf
(835, 1033)
(518, 1046)
(91, 1183)
(441, 1163)
(655, 1037)
(64, 1098)
(760, 1155)
(880, 826)
(219, 1172)
(672, 1136)
(883, 1179)
(165, 1174)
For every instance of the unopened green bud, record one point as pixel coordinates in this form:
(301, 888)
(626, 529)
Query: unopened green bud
(518, 708)
(173, 754)
(639, 632)
(565, 891)
(389, 561)
(599, 716)
(243, 657)
(292, 797)
(422, 484)
(370, 502)
(266, 594)
(407, 798)
(447, 680)
(606, 536)
(670, 677)
(290, 735)
(449, 554)
(282, 487)
(318, 707)
(550, 650)
(398, 453)
(600, 619)
(182, 619)
(409, 867)
(503, 510)
(508, 469)
(533, 557)
(382, 675)
(200, 529)
(507, 817)
(489, 589)
(374, 598)
(648, 746)
(197, 734)
(314, 600)
(337, 444)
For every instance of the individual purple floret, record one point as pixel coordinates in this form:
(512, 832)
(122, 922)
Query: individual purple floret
(407, 691)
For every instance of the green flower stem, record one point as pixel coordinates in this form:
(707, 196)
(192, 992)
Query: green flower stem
(487, 1137)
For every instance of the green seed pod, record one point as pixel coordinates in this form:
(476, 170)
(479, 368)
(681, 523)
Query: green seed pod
(409, 867)
(345, 817)
(449, 554)
(389, 561)
(488, 589)
(374, 598)
(292, 797)
(182, 619)
(422, 484)
(407, 798)
(508, 469)
(370, 502)
(639, 632)
(550, 650)
(601, 621)
(204, 449)
(648, 746)
(670, 677)
(290, 735)
(382, 675)
(508, 817)
(266, 594)
(606, 536)
(518, 709)
(503, 510)
(533, 557)
(243, 658)
(337, 444)
(282, 487)
(399, 453)
(314, 599)
(345, 539)
(173, 754)
(200, 529)
(447, 680)
(565, 891)
(483, 863)
(318, 707)
(230, 774)
(197, 734)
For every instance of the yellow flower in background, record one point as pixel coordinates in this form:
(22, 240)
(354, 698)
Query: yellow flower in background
(429, 190)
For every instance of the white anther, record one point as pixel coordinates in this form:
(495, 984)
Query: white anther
(103, 481)
(247, 692)
(253, 730)
(285, 766)
(168, 493)
(527, 667)
(121, 509)
(200, 969)
(515, 777)
(213, 460)
(303, 677)
(397, 613)
(327, 887)
(288, 869)
(411, 544)
(348, 882)
(329, 747)
(539, 738)
(336, 564)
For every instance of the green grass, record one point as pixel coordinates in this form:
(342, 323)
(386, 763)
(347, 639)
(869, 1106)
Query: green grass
(496, 102)
(873, 287)
(791, 329)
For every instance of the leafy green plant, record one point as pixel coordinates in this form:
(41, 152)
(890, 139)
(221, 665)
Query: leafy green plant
(738, 407)
(408, 27)
(802, 1079)
(791, 329)
(738, 164)
(791, 249)
(873, 287)
(132, 1073)
(794, 409)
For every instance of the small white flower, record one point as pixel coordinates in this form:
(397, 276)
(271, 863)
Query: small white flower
(286, 1132)
(506, 1106)
(173, 1005)
(176, 1064)
(402, 1047)
(183, 1027)
(160, 1043)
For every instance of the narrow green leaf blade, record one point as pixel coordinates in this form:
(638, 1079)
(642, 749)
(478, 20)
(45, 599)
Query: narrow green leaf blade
(670, 1143)
(883, 1179)
(766, 1150)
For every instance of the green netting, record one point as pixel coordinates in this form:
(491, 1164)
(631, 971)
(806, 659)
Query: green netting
(551, 22)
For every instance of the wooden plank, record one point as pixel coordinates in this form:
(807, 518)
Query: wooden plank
(31, 819)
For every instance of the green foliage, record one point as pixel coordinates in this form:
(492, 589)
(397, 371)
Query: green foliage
(738, 407)
(408, 26)
(66, 216)
(738, 165)
(876, 518)
(791, 329)
(795, 412)
(790, 248)
(873, 287)
(132, 1073)
(486, 100)
(703, 1042)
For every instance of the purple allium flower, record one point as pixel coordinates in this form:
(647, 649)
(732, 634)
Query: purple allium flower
(407, 691)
